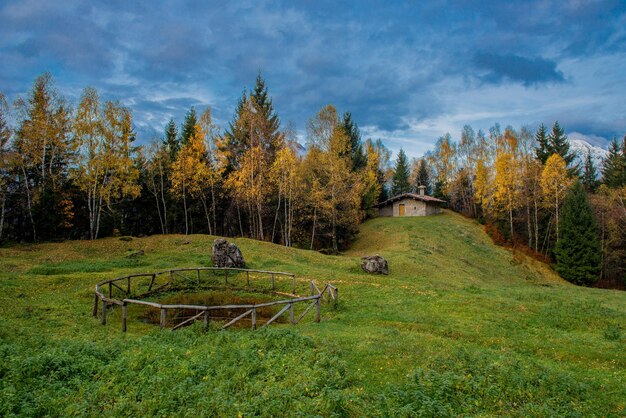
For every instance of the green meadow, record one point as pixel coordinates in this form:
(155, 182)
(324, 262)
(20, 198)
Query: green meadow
(459, 327)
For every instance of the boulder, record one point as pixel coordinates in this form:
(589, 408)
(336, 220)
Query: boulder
(226, 254)
(374, 264)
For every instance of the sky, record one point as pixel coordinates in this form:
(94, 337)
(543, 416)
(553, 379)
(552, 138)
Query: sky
(408, 71)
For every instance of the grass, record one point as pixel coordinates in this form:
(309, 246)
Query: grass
(458, 327)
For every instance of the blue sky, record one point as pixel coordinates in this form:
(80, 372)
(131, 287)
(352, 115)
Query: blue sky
(409, 71)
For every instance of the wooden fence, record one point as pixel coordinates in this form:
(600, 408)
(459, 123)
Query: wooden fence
(136, 286)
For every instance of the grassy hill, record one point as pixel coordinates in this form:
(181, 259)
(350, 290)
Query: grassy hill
(458, 327)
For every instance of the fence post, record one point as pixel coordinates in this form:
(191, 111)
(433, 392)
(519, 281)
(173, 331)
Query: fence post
(95, 306)
(318, 308)
(272, 281)
(104, 312)
(163, 313)
(248, 278)
(206, 320)
(171, 277)
(124, 315)
(293, 284)
(110, 290)
(198, 276)
(128, 290)
(253, 318)
(311, 286)
(225, 277)
(291, 319)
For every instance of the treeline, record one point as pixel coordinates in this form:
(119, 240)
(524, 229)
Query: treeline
(530, 192)
(77, 173)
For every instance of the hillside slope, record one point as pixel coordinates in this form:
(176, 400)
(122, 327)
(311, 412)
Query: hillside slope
(459, 326)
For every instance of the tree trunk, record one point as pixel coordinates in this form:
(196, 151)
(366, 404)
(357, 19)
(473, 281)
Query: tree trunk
(4, 199)
(161, 177)
(206, 213)
(314, 222)
(29, 203)
(185, 209)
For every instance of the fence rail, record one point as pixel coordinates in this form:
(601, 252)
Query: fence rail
(104, 295)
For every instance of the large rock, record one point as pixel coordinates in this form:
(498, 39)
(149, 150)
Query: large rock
(226, 254)
(375, 264)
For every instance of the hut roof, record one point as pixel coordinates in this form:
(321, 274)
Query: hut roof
(423, 198)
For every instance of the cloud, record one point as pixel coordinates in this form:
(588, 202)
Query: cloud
(510, 67)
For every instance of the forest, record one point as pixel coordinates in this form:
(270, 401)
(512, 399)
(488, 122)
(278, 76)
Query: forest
(76, 172)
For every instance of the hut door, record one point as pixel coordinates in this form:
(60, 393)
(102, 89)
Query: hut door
(401, 210)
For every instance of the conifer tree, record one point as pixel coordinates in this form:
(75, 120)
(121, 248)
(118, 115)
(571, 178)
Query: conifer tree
(358, 157)
(577, 249)
(589, 177)
(542, 152)
(401, 183)
(558, 144)
(171, 139)
(614, 165)
(188, 127)
(422, 178)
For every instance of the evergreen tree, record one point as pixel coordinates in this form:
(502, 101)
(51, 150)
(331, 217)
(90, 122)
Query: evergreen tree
(357, 155)
(543, 150)
(422, 178)
(401, 173)
(589, 177)
(614, 165)
(577, 249)
(188, 127)
(267, 119)
(558, 144)
(171, 139)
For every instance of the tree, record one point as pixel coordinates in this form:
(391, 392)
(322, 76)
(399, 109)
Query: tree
(560, 145)
(589, 177)
(358, 157)
(507, 185)
(401, 173)
(543, 150)
(5, 161)
(614, 165)
(105, 170)
(577, 249)
(554, 184)
(284, 176)
(171, 139)
(422, 178)
(43, 143)
(188, 127)
(191, 173)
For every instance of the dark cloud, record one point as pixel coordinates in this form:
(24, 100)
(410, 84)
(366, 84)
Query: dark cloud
(528, 71)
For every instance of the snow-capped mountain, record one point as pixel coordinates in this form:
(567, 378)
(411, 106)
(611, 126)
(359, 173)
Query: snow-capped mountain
(581, 144)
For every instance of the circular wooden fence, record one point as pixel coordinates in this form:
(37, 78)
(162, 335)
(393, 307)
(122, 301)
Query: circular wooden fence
(131, 289)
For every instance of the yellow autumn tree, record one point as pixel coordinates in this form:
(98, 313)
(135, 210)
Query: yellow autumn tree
(507, 186)
(283, 175)
(554, 183)
(191, 173)
(105, 169)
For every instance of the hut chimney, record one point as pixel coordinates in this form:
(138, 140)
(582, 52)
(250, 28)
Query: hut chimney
(422, 190)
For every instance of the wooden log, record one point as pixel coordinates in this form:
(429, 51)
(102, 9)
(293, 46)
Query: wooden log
(275, 317)
(293, 284)
(291, 321)
(95, 305)
(152, 282)
(143, 302)
(163, 315)
(316, 288)
(246, 313)
(186, 321)
(104, 312)
(318, 305)
(171, 277)
(336, 295)
(124, 316)
(110, 290)
(253, 318)
(206, 320)
(311, 287)
(308, 308)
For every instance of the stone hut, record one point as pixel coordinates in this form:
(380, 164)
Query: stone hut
(411, 204)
